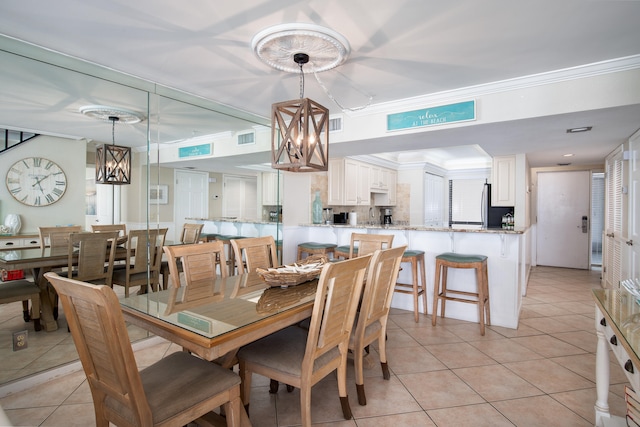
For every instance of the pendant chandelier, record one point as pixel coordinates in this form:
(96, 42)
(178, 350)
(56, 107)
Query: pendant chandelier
(300, 131)
(113, 162)
(300, 127)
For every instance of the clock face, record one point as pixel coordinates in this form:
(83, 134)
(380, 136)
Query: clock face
(35, 181)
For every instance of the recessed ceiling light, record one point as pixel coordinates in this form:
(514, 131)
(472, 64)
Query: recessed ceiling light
(564, 164)
(568, 155)
(580, 129)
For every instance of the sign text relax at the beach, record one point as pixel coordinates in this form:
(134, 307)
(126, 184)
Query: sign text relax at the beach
(439, 115)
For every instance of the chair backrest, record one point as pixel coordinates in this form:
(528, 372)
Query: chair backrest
(334, 310)
(191, 233)
(96, 323)
(144, 250)
(95, 255)
(57, 238)
(382, 275)
(256, 252)
(368, 243)
(199, 265)
(100, 228)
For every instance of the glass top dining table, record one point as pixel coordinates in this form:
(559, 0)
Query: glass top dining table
(238, 310)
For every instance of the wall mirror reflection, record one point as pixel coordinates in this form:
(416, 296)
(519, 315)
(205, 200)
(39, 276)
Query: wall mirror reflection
(203, 162)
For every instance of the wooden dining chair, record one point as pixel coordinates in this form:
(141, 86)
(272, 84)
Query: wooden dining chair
(189, 234)
(371, 321)
(200, 264)
(25, 291)
(120, 228)
(174, 391)
(301, 358)
(255, 252)
(364, 244)
(142, 262)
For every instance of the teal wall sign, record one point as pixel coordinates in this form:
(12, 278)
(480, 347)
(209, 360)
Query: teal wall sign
(194, 151)
(202, 325)
(439, 115)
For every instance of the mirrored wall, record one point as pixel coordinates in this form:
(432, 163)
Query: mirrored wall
(187, 153)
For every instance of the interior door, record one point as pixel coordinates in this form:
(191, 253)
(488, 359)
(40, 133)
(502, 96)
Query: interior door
(191, 197)
(563, 222)
(634, 210)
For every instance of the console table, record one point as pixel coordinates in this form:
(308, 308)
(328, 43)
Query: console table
(618, 328)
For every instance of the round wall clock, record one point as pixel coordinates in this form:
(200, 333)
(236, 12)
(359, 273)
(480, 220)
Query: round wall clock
(35, 181)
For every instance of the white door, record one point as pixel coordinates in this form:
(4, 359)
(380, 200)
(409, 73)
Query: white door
(634, 209)
(563, 222)
(240, 198)
(191, 198)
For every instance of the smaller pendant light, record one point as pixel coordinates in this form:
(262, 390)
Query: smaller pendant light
(113, 162)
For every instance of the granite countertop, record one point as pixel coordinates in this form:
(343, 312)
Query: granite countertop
(234, 220)
(458, 229)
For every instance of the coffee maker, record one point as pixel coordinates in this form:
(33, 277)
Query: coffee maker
(385, 216)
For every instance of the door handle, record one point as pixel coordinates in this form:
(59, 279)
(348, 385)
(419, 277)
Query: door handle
(585, 224)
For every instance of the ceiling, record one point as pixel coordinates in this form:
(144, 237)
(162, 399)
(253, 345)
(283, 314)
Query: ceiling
(399, 50)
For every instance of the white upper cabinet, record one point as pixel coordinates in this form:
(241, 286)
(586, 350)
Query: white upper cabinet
(271, 188)
(503, 180)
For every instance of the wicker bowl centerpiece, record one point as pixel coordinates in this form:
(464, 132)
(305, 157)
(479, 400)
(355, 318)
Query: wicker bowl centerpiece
(294, 274)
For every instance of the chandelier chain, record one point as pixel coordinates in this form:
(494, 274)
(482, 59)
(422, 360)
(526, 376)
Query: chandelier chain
(301, 81)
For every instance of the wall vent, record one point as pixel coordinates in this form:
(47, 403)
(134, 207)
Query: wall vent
(335, 124)
(246, 138)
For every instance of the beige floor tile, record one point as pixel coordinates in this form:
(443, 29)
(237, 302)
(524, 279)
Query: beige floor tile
(582, 339)
(505, 350)
(50, 393)
(76, 415)
(481, 415)
(496, 383)
(549, 376)
(396, 420)
(439, 389)
(33, 416)
(460, 355)
(433, 335)
(582, 403)
(384, 397)
(419, 359)
(539, 411)
(548, 346)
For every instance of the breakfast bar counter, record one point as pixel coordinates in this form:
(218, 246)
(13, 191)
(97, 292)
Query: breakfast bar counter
(509, 261)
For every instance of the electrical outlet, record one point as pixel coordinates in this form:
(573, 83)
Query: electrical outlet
(20, 340)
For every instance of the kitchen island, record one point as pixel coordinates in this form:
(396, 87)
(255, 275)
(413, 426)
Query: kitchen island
(508, 253)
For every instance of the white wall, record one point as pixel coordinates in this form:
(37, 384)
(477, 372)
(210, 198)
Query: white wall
(70, 155)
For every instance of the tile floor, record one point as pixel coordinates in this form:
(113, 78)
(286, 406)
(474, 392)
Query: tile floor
(541, 374)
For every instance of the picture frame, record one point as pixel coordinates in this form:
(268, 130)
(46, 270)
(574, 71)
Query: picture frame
(159, 194)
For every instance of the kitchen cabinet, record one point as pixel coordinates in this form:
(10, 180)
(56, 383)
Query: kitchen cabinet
(503, 179)
(19, 241)
(349, 183)
(386, 195)
(272, 189)
(379, 178)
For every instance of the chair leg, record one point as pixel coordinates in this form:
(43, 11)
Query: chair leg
(414, 277)
(358, 361)
(25, 311)
(273, 386)
(346, 409)
(436, 292)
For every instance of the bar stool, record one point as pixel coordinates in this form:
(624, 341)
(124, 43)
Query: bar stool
(343, 251)
(441, 293)
(418, 285)
(314, 248)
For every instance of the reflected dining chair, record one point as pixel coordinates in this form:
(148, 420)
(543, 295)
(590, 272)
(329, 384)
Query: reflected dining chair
(120, 228)
(23, 290)
(142, 262)
(95, 253)
(254, 252)
(301, 358)
(371, 321)
(199, 263)
(173, 391)
(363, 244)
(189, 234)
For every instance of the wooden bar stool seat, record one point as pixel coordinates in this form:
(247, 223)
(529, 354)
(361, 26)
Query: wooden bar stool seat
(315, 248)
(418, 285)
(442, 293)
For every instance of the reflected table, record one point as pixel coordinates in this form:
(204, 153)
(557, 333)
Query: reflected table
(40, 261)
(618, 328)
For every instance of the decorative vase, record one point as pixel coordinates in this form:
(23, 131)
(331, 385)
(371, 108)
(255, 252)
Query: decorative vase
(317, 209)
(13, 223)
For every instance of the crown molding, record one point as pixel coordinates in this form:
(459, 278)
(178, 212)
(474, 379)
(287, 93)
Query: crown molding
(472, 92)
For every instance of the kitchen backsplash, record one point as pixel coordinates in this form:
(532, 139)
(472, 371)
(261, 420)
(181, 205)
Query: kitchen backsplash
(365, 214)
